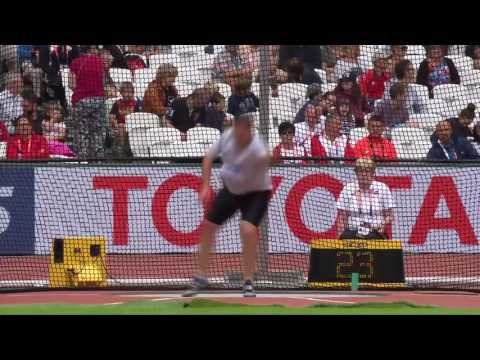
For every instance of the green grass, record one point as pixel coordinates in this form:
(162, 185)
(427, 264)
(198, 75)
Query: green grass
(207, 307)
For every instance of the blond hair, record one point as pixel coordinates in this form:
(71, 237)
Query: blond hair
(365, 164)
(166, 70)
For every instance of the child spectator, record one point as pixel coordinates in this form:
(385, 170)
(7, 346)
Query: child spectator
(304, 131)
(161, 92)
(242, 100)
(135, 57)
(347, 89)
(394, 111)
(405, 74)
(331, 143)
(347, 119)
(120, 110)
(25, 144)
(190, 111)
(348, 63)
(54, 130)
(374, 145)
(287, 147)
(372, 82)
(437, 69)
(215, 116)
(313, 96)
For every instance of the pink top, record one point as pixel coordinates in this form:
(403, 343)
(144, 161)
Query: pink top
(89, 72)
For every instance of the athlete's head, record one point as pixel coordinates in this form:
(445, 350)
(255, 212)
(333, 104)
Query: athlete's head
(242, 128)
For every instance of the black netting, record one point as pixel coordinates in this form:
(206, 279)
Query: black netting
(105, 141)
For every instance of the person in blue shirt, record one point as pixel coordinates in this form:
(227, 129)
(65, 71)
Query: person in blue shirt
(243, 100)
(450, 147)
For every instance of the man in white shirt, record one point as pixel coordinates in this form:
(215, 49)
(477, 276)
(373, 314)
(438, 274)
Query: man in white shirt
(247, 187)
(11, 101)
(305, 131)
(365, 206)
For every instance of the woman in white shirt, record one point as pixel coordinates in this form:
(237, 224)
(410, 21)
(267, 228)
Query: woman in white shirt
(365, 206)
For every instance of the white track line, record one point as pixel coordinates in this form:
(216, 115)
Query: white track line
(326, 301)
(163, 299)
(115, 303)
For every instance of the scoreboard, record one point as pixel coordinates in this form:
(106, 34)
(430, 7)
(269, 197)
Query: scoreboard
(379, 263)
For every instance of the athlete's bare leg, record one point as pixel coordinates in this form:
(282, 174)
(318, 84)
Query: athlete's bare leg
(249, 235)
(207, 239)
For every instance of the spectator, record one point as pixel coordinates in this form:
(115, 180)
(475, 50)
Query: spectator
(313, 96)
(304, 131)
(374, 145)
(398, 53)
(108, 83)
(328, 103)
(476, 137)
(331, 143)
(49, 62)
(405, 74)
(4, 135)
(330, 54)
(215, 116)
(242, 100)
(372, 82)
(87, 74)
(161, 92)
(473, 51)
(11, 101)
(30, 111)
(309, 55)
(348, 63)
(347, 119)
(287, 147)
(135, 57)
(394, 111)
(298, 73)
(436, 69)
(347, 89)
(120, 110)
(449, 147)
(54, 130)
(190, 111)
(231, 64)
(461, 125)
(25, 144)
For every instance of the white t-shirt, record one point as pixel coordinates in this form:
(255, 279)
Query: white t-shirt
(244, 170)
(303, 135)
(365, 206)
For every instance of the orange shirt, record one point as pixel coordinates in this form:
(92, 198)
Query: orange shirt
(377, 147)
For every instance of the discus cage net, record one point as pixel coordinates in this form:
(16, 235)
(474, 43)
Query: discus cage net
(105, 141)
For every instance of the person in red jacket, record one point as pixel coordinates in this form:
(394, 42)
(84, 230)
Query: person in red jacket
(374, 145)
(372, 82)
(25, 144)
(331, 143)
(3, 132)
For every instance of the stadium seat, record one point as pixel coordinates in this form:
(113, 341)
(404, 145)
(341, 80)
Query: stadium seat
(357, 134)
(450, 92)
(322, 74)
(416, 50)
(162, 135)
(421, 90)
(144, 76)
(282, 109)
(273, 137)
(411, 143)
(365, 62)
(120, 75)
(3, 150)
(294, 93)
(137, 125)
(141, 120)
(225, 90)
(415, 60)
(178, 150)
(184, 89)
(462, 62)
(470, 78)
(156, 60)
(203, 135)
(427, 121)
(329, 87)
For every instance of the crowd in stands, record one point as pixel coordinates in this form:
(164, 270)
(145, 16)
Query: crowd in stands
(63, 101)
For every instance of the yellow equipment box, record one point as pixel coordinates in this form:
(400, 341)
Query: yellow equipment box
(78, 262)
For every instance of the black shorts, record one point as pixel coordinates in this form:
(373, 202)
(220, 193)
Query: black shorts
(253, 206)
